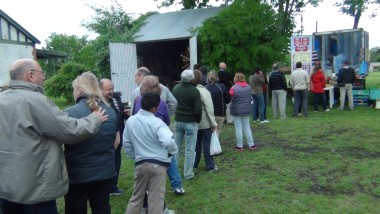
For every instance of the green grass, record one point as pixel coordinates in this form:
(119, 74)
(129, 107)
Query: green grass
(327, 163)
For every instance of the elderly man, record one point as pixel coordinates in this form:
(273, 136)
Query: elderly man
(187, 116)
(33, 170)
(277, 83)
(166, 95)
(114, 100)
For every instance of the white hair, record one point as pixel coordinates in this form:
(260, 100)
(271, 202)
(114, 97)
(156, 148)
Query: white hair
(187, 75)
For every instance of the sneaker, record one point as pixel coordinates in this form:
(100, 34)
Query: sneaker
(264, 121)
(179, 191)
(167, 211)
(116, 192)
(253, 148)
(315, 111)
(239, 149)
(327, 109)
(144, 210)
(215, 169)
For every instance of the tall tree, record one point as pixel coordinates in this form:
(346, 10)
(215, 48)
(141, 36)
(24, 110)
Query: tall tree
(356, 8)
(243, 35)
(112, 24)
(77, 48)
(374, 54)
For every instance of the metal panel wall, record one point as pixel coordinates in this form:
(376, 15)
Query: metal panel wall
(123, 60)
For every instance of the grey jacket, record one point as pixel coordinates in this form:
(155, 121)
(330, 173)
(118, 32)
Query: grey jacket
(32, 131)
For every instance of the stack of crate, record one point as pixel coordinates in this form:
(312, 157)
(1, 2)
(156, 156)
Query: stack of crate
(361, 97)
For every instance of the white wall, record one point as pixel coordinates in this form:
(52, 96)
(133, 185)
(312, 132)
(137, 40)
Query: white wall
(8, 54)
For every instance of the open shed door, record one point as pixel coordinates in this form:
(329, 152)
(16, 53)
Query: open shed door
(123, 61)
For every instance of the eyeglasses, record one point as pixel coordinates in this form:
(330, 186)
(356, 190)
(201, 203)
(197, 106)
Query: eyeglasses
(43, 72)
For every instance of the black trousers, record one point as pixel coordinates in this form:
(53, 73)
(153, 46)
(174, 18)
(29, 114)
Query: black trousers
(48, 207)
(96, 192)
(117, 166)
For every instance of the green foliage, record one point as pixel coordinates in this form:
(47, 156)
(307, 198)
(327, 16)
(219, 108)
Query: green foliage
(59, 85)
(244, 35)
(113, 25)
(187, 4)
(355, 8)
(374, 54)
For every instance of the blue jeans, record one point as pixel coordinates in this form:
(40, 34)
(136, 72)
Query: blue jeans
(242, 124)
(258, 106)
(48, 207)
(298, 96)
(188, 132)
(173, 174)
(203, 140)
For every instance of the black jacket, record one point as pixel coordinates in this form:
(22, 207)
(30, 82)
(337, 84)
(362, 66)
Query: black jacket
(220, 97)
(346, 76)
(277, 81)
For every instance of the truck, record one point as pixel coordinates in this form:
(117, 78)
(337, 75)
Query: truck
(331, 48)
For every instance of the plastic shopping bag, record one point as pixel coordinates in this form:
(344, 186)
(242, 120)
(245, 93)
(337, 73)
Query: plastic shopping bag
(215, 148)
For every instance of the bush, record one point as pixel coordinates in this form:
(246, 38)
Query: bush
(59, 85)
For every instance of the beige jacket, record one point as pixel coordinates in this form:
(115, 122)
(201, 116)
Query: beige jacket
(208, 118)
(32, 131)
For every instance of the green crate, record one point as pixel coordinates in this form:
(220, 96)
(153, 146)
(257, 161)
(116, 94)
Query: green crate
(374, 94)
(360, 92)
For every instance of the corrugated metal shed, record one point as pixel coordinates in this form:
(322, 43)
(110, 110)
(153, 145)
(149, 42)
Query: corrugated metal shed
(174, 25)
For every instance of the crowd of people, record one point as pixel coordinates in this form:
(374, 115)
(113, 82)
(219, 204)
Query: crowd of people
(48, 153)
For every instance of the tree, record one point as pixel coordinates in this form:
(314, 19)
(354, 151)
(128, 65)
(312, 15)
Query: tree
(374, 54)
(76, 47)
(243, 35)
(355, 8)
(112, 24)
(187, 4)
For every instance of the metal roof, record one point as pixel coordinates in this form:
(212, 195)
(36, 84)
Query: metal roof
(19, 27)
(174, 25)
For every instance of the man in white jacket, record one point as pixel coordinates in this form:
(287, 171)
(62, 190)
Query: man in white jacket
(149, 141)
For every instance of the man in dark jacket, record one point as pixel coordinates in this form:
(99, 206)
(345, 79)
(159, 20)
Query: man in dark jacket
(277, 83)
(346, 78)
(227, 79)
(114, 100)
(187, 116)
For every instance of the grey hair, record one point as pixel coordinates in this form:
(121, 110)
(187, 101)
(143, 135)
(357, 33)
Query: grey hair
(187, 75)
(143, 70)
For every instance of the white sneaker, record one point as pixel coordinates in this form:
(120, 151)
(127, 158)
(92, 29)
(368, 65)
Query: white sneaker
(327, 109)
(264, 121)
(167, 211)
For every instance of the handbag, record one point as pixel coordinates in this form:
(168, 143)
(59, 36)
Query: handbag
(215, 148)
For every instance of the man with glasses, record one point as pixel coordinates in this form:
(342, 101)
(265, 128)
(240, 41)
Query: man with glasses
(33, 170)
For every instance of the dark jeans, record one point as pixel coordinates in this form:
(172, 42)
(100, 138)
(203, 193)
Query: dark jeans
(48, 207)
(318, 97)
(117, 166)
(203, 140)
(300, 96)
(96, 192)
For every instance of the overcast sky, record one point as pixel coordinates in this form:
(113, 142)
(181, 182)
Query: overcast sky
(42, 17)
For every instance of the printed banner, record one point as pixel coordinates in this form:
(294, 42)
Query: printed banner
(301, 51)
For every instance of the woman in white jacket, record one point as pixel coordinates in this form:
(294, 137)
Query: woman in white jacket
(206, 126)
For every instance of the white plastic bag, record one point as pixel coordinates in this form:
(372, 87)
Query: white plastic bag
(215, 148)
